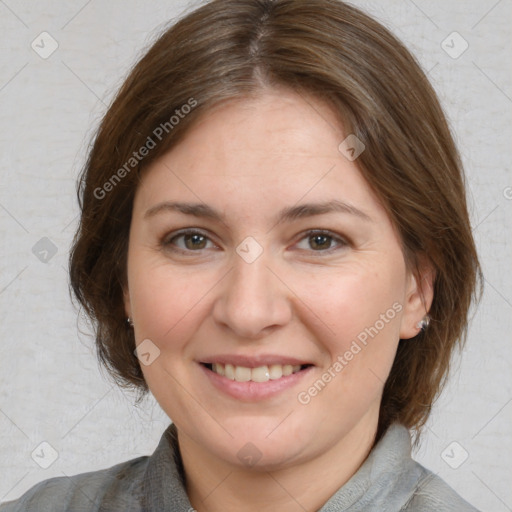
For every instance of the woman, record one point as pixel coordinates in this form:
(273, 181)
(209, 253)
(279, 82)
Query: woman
(274, 242)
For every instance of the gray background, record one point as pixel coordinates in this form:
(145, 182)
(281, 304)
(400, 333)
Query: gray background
(51, 389)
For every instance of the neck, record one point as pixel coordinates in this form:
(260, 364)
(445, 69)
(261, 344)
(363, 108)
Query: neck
(214, 485)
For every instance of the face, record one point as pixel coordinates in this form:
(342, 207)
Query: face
(267, 304)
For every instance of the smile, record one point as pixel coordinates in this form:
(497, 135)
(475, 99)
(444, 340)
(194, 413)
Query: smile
(251, 379)
(258, 374)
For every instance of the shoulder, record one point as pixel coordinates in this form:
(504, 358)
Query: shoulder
(114, 488)
(433, 493)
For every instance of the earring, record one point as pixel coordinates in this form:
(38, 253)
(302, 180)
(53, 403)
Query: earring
(129, 321)
(423, 323)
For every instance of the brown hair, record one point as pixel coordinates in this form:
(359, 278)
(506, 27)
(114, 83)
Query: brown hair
(230, 49)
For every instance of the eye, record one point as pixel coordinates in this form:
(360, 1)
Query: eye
(321, 241)
(187, 241)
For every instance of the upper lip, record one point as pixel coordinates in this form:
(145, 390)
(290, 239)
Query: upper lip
(253, 361)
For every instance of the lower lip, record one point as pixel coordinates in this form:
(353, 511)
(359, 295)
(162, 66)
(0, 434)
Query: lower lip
(253, 391)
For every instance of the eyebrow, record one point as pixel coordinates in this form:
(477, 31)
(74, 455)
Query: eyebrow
(287, 214)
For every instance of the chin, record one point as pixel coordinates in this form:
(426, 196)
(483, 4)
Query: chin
(261, 443)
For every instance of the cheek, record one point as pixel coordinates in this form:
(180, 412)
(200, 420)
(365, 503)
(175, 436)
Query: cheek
(353, 301)
(362, 308)
(166, 301)
(168, 305)
(363, 311)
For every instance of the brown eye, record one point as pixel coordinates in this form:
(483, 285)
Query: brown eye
(194, 241)
(189, 241)
(321, 241)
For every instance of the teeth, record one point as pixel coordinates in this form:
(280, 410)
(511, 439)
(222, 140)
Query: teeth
(229, 371)
(218, 368)
(242, 374)
(259, 374)
(275, 371)
(287, 369)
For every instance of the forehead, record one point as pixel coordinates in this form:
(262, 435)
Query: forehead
(259, 153)
(273, 123)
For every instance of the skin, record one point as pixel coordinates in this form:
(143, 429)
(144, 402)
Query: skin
(301, 297)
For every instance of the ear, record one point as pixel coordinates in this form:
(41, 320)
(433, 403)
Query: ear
(418, 298)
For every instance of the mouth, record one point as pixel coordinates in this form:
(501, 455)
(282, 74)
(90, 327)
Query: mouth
(264, 373)
(251, 378)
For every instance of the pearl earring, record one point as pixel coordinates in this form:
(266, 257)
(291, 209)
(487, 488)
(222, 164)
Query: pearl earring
(130, 321)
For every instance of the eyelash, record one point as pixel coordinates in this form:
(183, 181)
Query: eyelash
(167, 241)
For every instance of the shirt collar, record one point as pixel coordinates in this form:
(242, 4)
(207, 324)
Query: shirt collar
(385, 481)
(164, 481)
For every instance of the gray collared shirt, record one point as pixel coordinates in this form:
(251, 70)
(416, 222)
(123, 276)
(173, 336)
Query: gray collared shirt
(388, 481)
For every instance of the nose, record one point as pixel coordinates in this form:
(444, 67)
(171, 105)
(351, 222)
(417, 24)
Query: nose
(253, 300)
